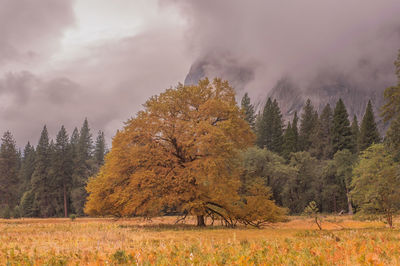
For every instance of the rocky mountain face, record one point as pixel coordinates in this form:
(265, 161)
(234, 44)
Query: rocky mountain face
(326, 87)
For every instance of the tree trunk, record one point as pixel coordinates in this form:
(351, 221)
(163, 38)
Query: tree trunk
(200, 220)
(65, 201)
(350, 206)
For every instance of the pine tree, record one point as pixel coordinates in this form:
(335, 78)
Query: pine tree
(248, 109)
(369, 132)
(341, 131)
(296, 131)
(392, 140)
(321, 146)
(9, 164)
(289, 142)
(83, 168)
(355, 133)
(270, 127)
(264, 129)
(61, 170)
(25, 176)
(27, 167)
(277, 129)
(307, 126)
(40, 178)
(100, 149)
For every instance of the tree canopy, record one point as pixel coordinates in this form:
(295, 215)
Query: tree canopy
(177, 155)
(376, 183)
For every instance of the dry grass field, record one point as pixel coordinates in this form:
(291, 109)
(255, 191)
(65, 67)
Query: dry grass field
(88, 241)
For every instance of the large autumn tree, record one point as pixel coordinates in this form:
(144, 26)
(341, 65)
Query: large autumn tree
(178, 155)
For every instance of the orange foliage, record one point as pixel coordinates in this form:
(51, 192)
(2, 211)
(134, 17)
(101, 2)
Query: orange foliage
(180, 154)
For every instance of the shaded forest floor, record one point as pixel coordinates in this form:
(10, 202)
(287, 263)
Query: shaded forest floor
(90, 241)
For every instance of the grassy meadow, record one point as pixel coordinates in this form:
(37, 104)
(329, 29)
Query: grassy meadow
(90, 241)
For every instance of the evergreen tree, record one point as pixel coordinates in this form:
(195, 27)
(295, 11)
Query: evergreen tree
(295, 129)
(289, 142)
(83, 167)
(302, 186)
(61, 171)
(9, 164)
(270, 127)
(392, 140)
(341, 131)
(100, 149)
(321, 146)
(307, 126)
(27, 167)
(25, 176)
(355, 134)
(40, 178)
(391, 112)
(369, 132)
(264, 129)
(74, 142)
(248, 109)
(277, 129)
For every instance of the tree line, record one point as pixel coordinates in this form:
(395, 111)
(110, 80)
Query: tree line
(188, 152)
(311, 157)
(48, 180)
(325, 158)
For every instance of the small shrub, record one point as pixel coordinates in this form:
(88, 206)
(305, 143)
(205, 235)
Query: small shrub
(119, 257)
(312, 211)
(72, 216)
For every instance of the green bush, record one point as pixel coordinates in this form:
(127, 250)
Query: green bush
(72, 216)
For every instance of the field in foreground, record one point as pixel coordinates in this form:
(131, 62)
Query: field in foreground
(89, 241)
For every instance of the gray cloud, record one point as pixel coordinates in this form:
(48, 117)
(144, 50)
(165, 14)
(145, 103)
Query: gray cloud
(30, 30)
(253, 43)
(107, 85)
(303, 39)
(107, 81)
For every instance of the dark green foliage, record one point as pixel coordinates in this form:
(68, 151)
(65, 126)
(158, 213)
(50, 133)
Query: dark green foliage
(391, 112)
(27, 168)
(341, 131)
(27, 205)
(295, 129)
(391, 109)
(100, 149)
(308, 126)
(333, 196)
(291, 138)
(264, 122)
(61, 172)
(270, 127)
(369, 132)
(9, 167)
(277, 129)
(303, 186)
(289, 142)
(83, 167)
(392, 140)
(248, 110)
(42, 206)
(271, 168)
(343, 162)
(355, 135)
(376, 183)
(321, 145)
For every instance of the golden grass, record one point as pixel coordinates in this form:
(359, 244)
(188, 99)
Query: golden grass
(89, 241)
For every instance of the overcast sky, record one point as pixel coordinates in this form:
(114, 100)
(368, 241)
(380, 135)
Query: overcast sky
(64, 60)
